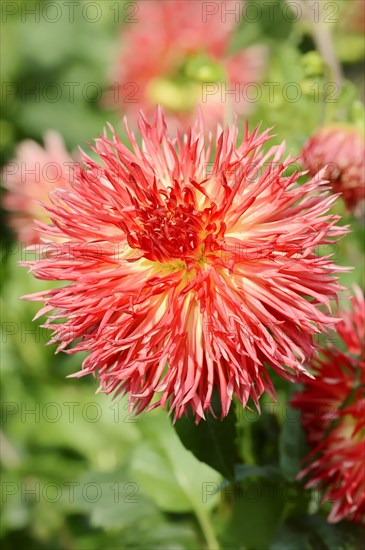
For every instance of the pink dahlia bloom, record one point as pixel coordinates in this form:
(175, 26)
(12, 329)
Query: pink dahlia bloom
(333, 417)
(29, 178)
(342, 150)
(176, 55)
(189, 273)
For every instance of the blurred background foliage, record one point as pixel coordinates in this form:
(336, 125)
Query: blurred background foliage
(80, 472)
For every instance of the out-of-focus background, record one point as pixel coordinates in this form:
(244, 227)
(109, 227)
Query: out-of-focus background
(78, 471)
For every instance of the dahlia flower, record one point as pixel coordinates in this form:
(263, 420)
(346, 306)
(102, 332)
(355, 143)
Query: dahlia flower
(185, 273)
(176, 55)
(29, 178)
(333, 417)
(342, 150)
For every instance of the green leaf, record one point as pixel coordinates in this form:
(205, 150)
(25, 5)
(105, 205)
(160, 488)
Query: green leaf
(168, 473)
(343, 536)
(160, 535)
(244, 471)
(273, 18)
(112, 499)
(213, 440)
(315, 533)
(257, 508)
(289, 537)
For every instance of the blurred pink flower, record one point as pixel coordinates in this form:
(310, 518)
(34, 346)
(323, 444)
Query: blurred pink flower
(342, 150)
(29, 178)
(176, 55)
(187, 274)
(333, 417)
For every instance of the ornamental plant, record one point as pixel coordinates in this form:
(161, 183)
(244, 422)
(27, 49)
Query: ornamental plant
(189, 272)
(204, 383)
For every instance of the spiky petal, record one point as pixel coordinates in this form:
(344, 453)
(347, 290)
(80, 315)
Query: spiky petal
(189, 272)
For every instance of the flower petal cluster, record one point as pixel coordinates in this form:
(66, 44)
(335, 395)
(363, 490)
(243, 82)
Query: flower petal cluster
(188, 269)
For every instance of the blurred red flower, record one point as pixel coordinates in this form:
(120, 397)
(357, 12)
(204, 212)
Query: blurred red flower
(333, 417)
(188, 274)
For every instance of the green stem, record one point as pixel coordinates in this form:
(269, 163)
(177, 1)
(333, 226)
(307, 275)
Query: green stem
(206, 527)
(200, 512)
